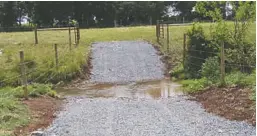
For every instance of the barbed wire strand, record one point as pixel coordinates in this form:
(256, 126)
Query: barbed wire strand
(240, 65)
(203, 51)
(196, 57)
(195, 64)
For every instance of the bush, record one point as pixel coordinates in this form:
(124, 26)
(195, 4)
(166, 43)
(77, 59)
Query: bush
(210, 69)
(177, 72)
(197, 51)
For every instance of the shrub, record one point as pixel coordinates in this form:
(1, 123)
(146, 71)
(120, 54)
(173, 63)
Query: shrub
(177, 72)
(197, 51)
(210, 69)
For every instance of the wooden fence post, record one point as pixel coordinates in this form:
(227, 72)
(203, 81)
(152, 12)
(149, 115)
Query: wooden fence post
(56, 55)
(222, 64)
(23, 75)
(158, 31)
(75, 36)
(184, 50)
(69, 38)
(35, 32)
(162, 30)
(78, 35)
(168, 39)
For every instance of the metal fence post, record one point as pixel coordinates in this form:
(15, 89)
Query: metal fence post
(23, 75)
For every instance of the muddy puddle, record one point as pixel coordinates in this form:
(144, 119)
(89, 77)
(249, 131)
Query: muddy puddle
(149, 89)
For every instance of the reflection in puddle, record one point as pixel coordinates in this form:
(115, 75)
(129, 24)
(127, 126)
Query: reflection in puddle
(149, 89)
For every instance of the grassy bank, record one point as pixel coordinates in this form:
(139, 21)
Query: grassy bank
(13, 113)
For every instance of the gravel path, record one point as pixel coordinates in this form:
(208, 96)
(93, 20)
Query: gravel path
(142, 117)
(123, 115)
(125, 61)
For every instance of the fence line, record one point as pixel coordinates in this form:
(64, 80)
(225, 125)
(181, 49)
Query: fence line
(221, 53)
(26, 77)
(75, 28)
(195, 57)
(202, 51)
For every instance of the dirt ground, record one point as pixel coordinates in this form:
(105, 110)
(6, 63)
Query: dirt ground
(232, 103)
(42, 110)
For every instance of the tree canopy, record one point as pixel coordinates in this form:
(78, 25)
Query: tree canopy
(97, 13)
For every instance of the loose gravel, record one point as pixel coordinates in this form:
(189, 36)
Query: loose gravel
(125, 61)
(142, 117)
(129, 61)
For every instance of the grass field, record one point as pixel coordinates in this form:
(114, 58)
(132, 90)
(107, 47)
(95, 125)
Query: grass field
(41, 56)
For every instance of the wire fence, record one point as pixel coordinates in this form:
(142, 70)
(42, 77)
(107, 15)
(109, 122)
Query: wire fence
(31, 75)
(164, 39)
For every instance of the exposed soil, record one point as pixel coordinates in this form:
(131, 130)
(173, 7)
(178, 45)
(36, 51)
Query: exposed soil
(42, 111)
(232, 103)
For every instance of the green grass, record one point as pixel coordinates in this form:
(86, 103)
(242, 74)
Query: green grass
(12, 112)
(70, 63)
(232, 79)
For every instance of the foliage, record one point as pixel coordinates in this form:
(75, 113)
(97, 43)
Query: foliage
(240, 79)
(232, 79)
(197, 51)
(239, 49)
(194, 85)
(253, 95)
(177, 72)
(100, 14)
(210, 69)
(12, 112)
(34, 90)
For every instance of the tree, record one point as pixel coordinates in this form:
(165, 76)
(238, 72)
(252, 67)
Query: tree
(8, 14)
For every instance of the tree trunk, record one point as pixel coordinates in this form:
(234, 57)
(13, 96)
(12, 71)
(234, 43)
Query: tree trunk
(151, 20)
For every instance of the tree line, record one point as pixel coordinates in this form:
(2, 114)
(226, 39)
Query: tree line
(96, 13)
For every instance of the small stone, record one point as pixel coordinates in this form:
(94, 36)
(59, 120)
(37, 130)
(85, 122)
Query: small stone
(40, 129)
(220, 131)
(37, 133)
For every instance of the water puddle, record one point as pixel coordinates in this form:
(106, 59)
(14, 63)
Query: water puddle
(147, 89)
